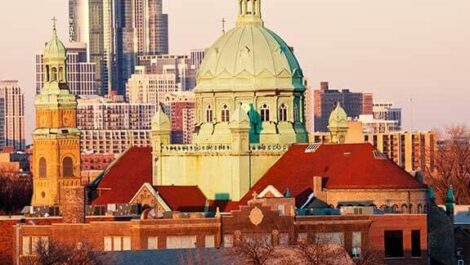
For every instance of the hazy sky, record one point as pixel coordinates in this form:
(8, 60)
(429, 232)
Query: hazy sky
(397, 49)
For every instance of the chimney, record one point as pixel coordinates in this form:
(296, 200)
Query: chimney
(318, 191)
(324, 86)
(72, 204)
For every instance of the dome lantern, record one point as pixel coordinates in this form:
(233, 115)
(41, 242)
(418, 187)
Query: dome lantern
(249, 12)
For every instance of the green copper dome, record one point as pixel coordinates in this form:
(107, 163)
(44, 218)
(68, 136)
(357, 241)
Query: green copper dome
(55, 49)
(249, 57)
(338, 118)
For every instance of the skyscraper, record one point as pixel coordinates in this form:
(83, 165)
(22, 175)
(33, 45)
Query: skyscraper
(13, 114)
(78, 21)
(81, 74)
(119, 31)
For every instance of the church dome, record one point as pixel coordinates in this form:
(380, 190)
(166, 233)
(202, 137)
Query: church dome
(55, 48)
(249, 57)
(338, 118)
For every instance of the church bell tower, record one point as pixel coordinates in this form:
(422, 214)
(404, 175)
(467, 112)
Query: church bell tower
(56, 139)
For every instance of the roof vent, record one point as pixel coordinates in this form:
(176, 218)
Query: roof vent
(312, 148)
(379, 155)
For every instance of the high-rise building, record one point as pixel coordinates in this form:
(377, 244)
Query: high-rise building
(159, 75)
(78, 21)
(181, 107)
(119, 31)
(386, 111)
(81, 74)
(13, 114)
(110, 125)
(325, 100)
(56, 139)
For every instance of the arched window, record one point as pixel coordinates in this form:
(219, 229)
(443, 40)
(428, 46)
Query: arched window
(48, 77)
(283, 112)
(67, 167)
(225, 112)
(264, 112)
(404, 208)
(54, 74)
(209, 114)
(61, 74)
(42, 167)
(420, 208)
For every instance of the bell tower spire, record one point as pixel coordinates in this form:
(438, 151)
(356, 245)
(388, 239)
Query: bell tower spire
(249, 12)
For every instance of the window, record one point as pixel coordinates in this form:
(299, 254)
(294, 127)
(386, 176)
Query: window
(209, 114)
(210, 241)
(420, 208)
(225, 113)
(30, 244)
(264, 113)
(117, 243)
(393, 243)
(284, 239)
(356, 244)
(178, 242)
(283, 112)
(228, 241)
(302, 237)
(152, 242)
(415, 243)
(42, 167)
(330, 238)
(67, 167)
(54, 74)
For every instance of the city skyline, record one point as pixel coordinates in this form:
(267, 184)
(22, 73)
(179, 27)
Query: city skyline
(389, 49)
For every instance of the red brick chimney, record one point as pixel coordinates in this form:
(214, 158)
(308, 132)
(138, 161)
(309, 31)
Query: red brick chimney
(318, 191)
(72, 204)
(324, 86)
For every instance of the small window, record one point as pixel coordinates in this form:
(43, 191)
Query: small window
(54, 74)
(67, 167)
(265, 113)
(225, 113)
(152, 242)
(416, 243)
(393, 243)
(42, 167)
(283, 112)
(209, 241)
(209, 114)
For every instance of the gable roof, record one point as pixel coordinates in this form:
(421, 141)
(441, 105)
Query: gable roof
(126, 176)
(343, 166)
(183, 198)
(129, 174)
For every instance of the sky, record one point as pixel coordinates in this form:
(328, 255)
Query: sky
(414, 53)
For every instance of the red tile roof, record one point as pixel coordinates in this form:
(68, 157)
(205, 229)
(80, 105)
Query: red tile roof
(183, 198)
(132, 170)
(125, 177)
(345, 166)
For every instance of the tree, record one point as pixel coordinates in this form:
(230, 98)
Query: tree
(254, 250)
(56, 253)
(370, 256)
(320, 252)
(452, 165)
(15, 192)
